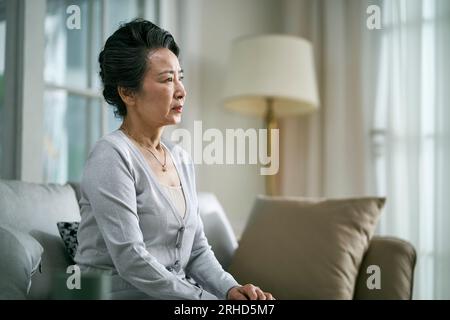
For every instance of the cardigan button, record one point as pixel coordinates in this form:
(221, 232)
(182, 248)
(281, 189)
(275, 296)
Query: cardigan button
(177, 266)
(170, 269)
(181, 229)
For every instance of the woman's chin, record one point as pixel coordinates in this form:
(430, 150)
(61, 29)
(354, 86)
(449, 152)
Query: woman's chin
(174, 120)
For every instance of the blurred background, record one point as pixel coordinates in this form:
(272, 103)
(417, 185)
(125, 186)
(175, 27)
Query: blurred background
(382, 127)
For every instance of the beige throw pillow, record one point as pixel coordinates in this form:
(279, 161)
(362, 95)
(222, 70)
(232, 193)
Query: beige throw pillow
(306, 249)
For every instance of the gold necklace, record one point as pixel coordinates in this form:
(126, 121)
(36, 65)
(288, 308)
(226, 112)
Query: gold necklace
(163, 165)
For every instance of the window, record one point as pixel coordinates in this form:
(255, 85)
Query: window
(2, 65)
(407, 139)
(75, 114)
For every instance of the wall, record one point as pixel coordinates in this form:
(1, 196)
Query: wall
(206, 30)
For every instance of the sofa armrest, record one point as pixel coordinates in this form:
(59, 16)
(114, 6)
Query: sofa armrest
(396, 259)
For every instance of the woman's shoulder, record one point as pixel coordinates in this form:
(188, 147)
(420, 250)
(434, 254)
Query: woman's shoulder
(110, 155)
(111, 144)
(109, 161)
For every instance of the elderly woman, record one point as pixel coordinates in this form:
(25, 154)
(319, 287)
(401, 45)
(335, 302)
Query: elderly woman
(139, 211)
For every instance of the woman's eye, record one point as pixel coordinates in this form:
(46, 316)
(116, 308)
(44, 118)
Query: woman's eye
(169, 80)
(181, 78)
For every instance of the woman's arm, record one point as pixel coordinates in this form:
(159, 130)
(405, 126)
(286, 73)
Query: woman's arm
(109, 187)
(204, 267)
(207, 271)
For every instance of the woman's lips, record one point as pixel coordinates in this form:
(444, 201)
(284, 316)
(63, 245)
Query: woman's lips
(178, 109)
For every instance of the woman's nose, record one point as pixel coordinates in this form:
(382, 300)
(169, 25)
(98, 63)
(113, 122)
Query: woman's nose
(180, 92)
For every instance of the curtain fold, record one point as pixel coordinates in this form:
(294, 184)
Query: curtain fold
(328, 153)
(383, 126)
(442, 207)
(413, 117)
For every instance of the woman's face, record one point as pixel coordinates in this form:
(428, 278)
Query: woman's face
(161, 99)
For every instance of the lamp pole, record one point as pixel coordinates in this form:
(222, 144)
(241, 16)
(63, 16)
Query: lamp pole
(271, 123)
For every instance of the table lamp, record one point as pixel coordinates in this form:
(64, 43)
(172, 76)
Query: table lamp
(271, 76)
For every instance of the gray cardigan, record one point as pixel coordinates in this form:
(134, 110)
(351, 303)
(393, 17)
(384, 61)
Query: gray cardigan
(130, 229)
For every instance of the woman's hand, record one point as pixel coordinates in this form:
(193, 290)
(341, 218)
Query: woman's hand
(248, 292)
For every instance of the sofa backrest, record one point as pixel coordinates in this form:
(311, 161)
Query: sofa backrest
(35, 209)
(217, 228)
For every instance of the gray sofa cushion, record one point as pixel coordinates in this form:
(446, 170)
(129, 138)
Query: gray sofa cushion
(35, 209)
(32, 206)
(21, 255)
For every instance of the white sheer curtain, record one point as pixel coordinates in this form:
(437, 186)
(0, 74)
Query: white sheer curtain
(384, 123)
(411, 134)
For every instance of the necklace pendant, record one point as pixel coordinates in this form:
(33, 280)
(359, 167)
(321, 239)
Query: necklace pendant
(164, 169)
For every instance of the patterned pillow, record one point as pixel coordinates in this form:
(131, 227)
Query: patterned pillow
(68, 232)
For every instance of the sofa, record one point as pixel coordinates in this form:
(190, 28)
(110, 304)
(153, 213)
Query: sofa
(33, 210)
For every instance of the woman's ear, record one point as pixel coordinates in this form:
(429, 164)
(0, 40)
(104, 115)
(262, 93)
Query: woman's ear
(127, 95)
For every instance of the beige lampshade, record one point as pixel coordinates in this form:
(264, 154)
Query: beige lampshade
(271, 66)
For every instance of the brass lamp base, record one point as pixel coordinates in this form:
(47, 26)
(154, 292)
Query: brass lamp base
(271, 123)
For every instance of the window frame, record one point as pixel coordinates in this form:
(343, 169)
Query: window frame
(23, 127)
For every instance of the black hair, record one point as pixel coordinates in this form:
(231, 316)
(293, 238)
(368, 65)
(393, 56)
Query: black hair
(123, 60)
